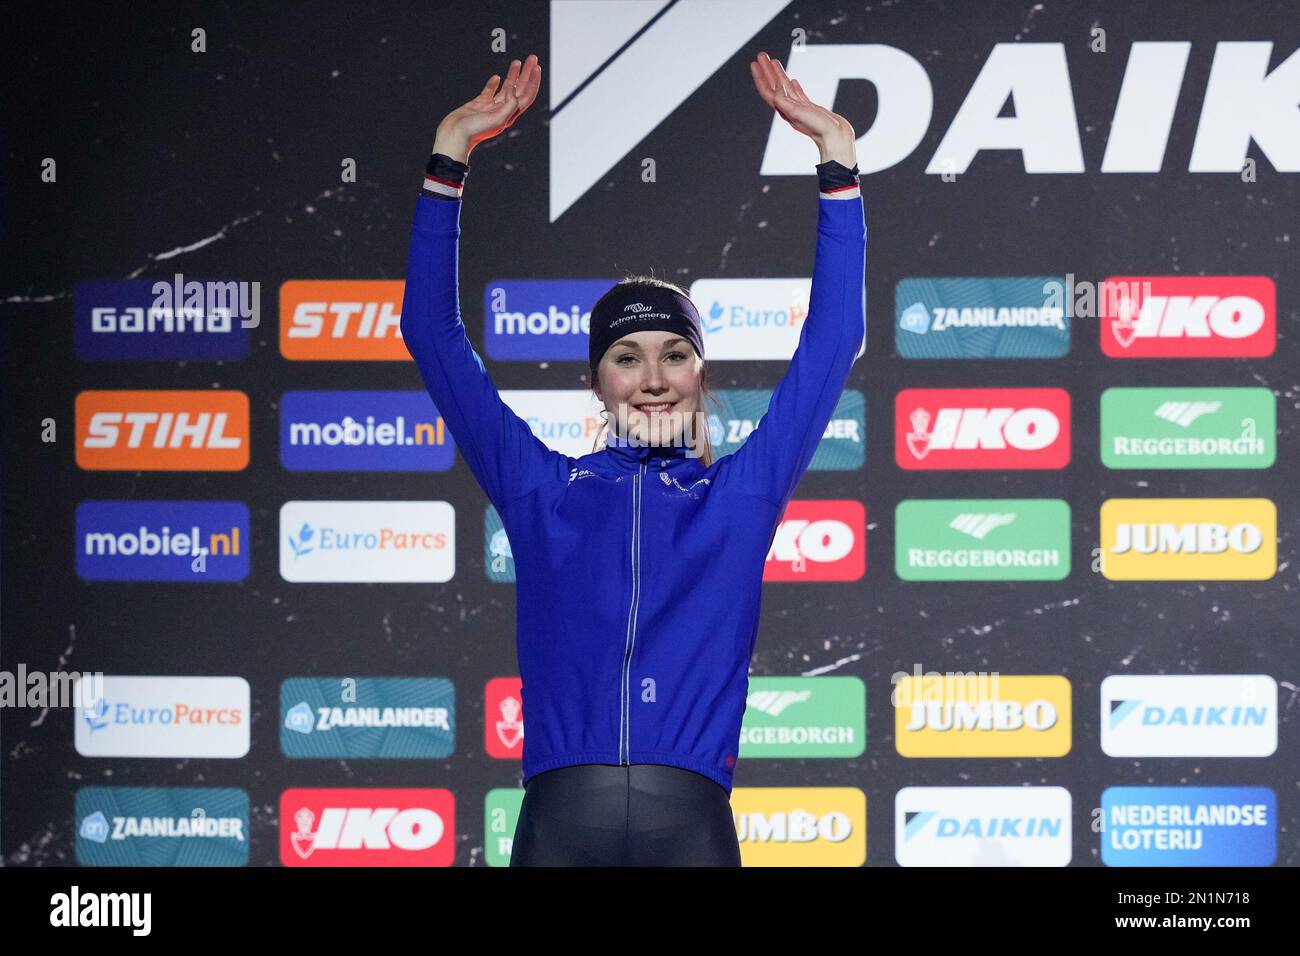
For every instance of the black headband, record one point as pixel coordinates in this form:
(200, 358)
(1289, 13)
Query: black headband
(630, 308)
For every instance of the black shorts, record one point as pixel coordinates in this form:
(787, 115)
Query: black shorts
(640, 815)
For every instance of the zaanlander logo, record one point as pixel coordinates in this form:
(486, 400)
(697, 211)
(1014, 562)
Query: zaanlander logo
(1021, 716)
(389, 717)
(1188, 539)
(1188, 428)
(161, 826)
(979, 317)
(604, 102)
(982, 539)
(1175, 715)
(800, 826)
(982, 826)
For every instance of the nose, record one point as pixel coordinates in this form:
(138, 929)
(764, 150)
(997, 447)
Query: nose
(653, 379)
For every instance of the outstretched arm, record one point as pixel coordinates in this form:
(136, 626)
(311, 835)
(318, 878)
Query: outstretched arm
(506, 458)
(777, 453)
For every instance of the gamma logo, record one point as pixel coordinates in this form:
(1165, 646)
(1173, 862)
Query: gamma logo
(979, 428)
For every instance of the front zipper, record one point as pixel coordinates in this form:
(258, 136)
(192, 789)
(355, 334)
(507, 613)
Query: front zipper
(624, 728)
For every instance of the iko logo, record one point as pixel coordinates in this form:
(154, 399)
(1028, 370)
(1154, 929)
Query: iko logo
(363, 827)
(1188, 317)
(977, 428)
(503, 735)
(819, 541)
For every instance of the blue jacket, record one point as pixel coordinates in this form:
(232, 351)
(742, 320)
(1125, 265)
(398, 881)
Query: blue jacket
(638, 571)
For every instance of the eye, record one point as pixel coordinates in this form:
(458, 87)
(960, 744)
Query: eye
(625, 355)
(677, 355)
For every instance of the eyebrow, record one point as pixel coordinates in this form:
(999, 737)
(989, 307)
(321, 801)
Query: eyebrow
(637, 346)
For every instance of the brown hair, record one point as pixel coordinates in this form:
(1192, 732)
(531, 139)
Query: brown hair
(705, 446)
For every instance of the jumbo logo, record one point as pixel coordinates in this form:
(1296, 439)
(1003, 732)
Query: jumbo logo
(819, 541)
(365, 827)
(162, 430)
(982, 716)
(1188, 316)
(800, 826)
(982, 826)
(1188, 539)
(970, 428)
(342, 320)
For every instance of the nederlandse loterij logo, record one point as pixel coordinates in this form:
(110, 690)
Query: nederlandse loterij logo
(369, 541)
(977, 428)
(1189, 715)
(161, 826)
(161, 430)
(804, 717)
(1188, 428)
(982, 826)
(367, 717)
(979, 317)
(367, 827)
(982, 539)
(956, 716)
(1188, 539)
(800, 826)
(1189, 826)
(1188, 316)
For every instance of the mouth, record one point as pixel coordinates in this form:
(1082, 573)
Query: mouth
(651, 407)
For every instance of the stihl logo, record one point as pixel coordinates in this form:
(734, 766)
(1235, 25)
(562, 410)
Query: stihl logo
(162, 431)
(819, 541)
(1188, 316)
(337, 320)
(367, 828)
(947, 428)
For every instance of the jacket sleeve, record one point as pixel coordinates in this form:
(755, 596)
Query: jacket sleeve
(502, 452)
(777, 452)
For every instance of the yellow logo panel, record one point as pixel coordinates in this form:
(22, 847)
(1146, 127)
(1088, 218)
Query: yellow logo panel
(982, 715)
(800, 826)
(1188, 539)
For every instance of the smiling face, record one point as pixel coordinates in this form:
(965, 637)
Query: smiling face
(650, 383)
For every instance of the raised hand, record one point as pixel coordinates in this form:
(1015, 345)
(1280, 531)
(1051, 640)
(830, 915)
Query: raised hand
(832, 133)
(496, 107)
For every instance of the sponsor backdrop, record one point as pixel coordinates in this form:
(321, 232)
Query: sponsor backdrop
(1032, 604)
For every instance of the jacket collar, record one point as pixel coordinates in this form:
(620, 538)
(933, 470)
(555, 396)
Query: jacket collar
(630, 457)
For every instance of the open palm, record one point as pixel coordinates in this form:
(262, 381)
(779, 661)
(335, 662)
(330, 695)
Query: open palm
(787, 97)
(497, 106)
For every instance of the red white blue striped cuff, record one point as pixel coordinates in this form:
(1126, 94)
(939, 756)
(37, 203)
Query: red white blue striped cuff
(444, 177)
(837, 181)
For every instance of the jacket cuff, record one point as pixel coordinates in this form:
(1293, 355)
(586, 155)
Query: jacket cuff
(837, 181)
(444, 177)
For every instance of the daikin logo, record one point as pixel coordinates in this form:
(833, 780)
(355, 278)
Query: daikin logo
(1194, 715)
(604, 102)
